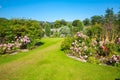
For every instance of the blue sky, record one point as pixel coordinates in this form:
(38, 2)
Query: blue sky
(51, 10)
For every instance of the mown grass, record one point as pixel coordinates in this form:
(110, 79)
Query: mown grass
(47, 62)
(8, 58)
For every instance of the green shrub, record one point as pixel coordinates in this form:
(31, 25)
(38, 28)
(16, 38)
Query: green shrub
(15, 30)
(112, 48)
(93, 60)
(66, 44)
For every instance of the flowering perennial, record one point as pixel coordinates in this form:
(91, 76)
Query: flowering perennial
(90, 49)
(9, 47)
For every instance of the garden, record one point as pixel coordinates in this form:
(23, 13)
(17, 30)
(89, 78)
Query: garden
(98, 43)
(94, 42)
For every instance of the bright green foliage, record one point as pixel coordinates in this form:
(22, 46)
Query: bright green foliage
(93, 60)
(66, 44)
(13, 29)
(47, 62)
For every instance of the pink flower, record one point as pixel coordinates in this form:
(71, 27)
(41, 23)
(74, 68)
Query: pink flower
(101, 43)
(76, 49)
(5, 45)
(118, 40)
(1, 45)
(79, 34)
(115, 58)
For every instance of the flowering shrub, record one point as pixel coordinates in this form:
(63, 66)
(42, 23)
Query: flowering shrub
(92, 50)
(23, 41)
(10, 47)
(66, 44)
(19, 28)
(82, 47)
(114, 60)
(20, 42)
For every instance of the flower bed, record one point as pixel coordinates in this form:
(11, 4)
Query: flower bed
(92, 50)
(19, 43)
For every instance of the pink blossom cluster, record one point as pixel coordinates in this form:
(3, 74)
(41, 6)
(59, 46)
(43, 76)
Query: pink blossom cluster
(79, 46)
(83, 58)
(14, 45)
(115, 59)
(74, 47)
(81, 35)
(84, 47)
(23, 39)
(6, 47)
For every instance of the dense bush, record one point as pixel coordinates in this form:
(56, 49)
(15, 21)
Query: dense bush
(65, 31)
(95, 31)
(93, 60)
(66, 44)
(92, 50)
(19, 32)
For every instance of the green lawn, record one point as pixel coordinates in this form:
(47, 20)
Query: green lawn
(47, 62)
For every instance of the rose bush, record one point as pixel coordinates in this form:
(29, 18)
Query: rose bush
(93, 50)
(19, 43)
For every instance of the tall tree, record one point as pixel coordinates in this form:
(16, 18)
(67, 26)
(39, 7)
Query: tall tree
(78, 24)
(96, 19)
(47, 30)
(86, 22)
(117, 23)
(109, 25)
(63, 22)
(57, 24)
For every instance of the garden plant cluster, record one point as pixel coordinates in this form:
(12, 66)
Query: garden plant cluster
(18, 34)
(19, 43)
(92, 50)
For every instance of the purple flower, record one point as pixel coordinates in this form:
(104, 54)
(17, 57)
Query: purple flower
(115, 59)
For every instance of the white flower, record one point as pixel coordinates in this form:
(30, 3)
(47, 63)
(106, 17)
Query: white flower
(85, 48)
(101, 43)
(85, 56)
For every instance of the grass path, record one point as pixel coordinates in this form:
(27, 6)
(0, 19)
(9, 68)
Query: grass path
(49, 63)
